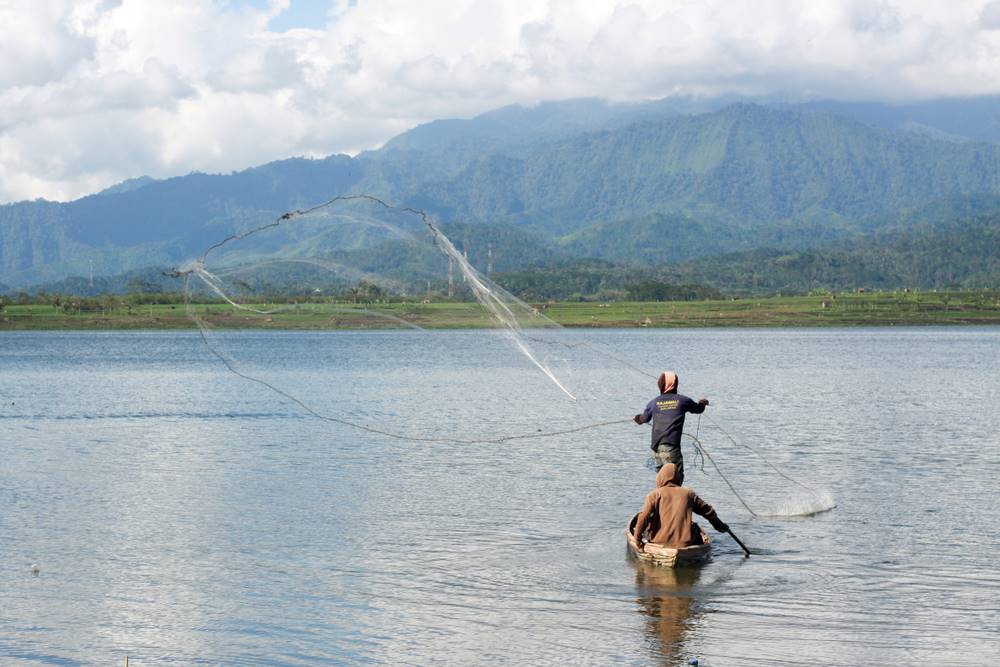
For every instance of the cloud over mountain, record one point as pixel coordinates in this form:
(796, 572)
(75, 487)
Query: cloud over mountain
(96, 92)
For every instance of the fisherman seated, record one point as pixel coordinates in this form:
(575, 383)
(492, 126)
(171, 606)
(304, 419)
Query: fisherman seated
(667, 513)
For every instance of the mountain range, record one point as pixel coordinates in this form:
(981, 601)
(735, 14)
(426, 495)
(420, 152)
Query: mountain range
(716, 193)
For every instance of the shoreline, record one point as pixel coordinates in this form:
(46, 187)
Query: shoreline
(881, 309)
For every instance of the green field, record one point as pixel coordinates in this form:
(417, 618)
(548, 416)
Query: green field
(884, 308)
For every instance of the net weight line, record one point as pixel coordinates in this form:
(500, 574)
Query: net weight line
(492, 299)
(202, 329)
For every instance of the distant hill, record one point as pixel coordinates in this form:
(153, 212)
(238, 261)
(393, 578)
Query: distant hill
(128, 185)
(438, 151)
(662, 238)
(160, 223)
(403, 263)
(643, 185)
(672, 238)
(930, 255)
(747, 166)
(955, 254)
(518, 126)
(954, 119)
(949, 255)
(590, 279)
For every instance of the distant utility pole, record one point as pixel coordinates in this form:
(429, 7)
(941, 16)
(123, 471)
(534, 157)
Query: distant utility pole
(489, 259)
(451, 276)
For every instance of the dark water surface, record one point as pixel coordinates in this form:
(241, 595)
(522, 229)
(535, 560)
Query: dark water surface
(180, 514)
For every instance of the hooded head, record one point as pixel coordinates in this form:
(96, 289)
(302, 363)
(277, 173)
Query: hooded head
(667, 382)
(667, 475)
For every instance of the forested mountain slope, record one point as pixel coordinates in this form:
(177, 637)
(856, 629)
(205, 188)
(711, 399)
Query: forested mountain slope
(639, 184)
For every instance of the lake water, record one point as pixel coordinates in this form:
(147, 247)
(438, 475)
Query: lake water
(180, 514)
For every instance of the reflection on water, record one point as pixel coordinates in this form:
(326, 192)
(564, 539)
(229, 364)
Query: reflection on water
(665, 596)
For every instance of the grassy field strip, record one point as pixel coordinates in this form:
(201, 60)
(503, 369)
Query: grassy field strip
(794, 311)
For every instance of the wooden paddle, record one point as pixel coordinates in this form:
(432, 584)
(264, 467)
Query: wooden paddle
(744, 547)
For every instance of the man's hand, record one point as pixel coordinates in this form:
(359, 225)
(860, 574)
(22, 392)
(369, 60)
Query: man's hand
(638, 419)
(702, 401)
(639, 544)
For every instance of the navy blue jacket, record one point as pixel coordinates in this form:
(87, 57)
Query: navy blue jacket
(667, 411)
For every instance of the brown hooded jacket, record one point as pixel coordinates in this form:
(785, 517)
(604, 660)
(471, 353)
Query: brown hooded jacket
(667, 512)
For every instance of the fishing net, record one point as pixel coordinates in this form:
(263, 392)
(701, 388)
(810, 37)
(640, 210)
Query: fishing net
(355, 262)
(359, 263)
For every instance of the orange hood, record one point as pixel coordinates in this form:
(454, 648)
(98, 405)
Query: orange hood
(667, 382)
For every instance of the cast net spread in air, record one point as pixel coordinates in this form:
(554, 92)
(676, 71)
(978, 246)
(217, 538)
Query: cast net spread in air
(357, 262)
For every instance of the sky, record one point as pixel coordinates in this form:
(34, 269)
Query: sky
(94, 92)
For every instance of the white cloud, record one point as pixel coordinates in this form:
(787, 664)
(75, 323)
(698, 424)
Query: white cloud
(95, 92)
(989, 17)
(39, 43)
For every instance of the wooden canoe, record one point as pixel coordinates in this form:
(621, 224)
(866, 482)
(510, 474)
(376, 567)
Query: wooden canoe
(661, 555)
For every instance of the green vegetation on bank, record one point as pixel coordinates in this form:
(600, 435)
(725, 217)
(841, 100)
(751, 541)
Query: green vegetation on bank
(815, 310)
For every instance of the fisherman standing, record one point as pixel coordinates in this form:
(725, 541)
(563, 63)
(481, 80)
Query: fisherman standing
(666, 412)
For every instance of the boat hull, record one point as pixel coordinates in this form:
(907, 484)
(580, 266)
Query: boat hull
(666, 556)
